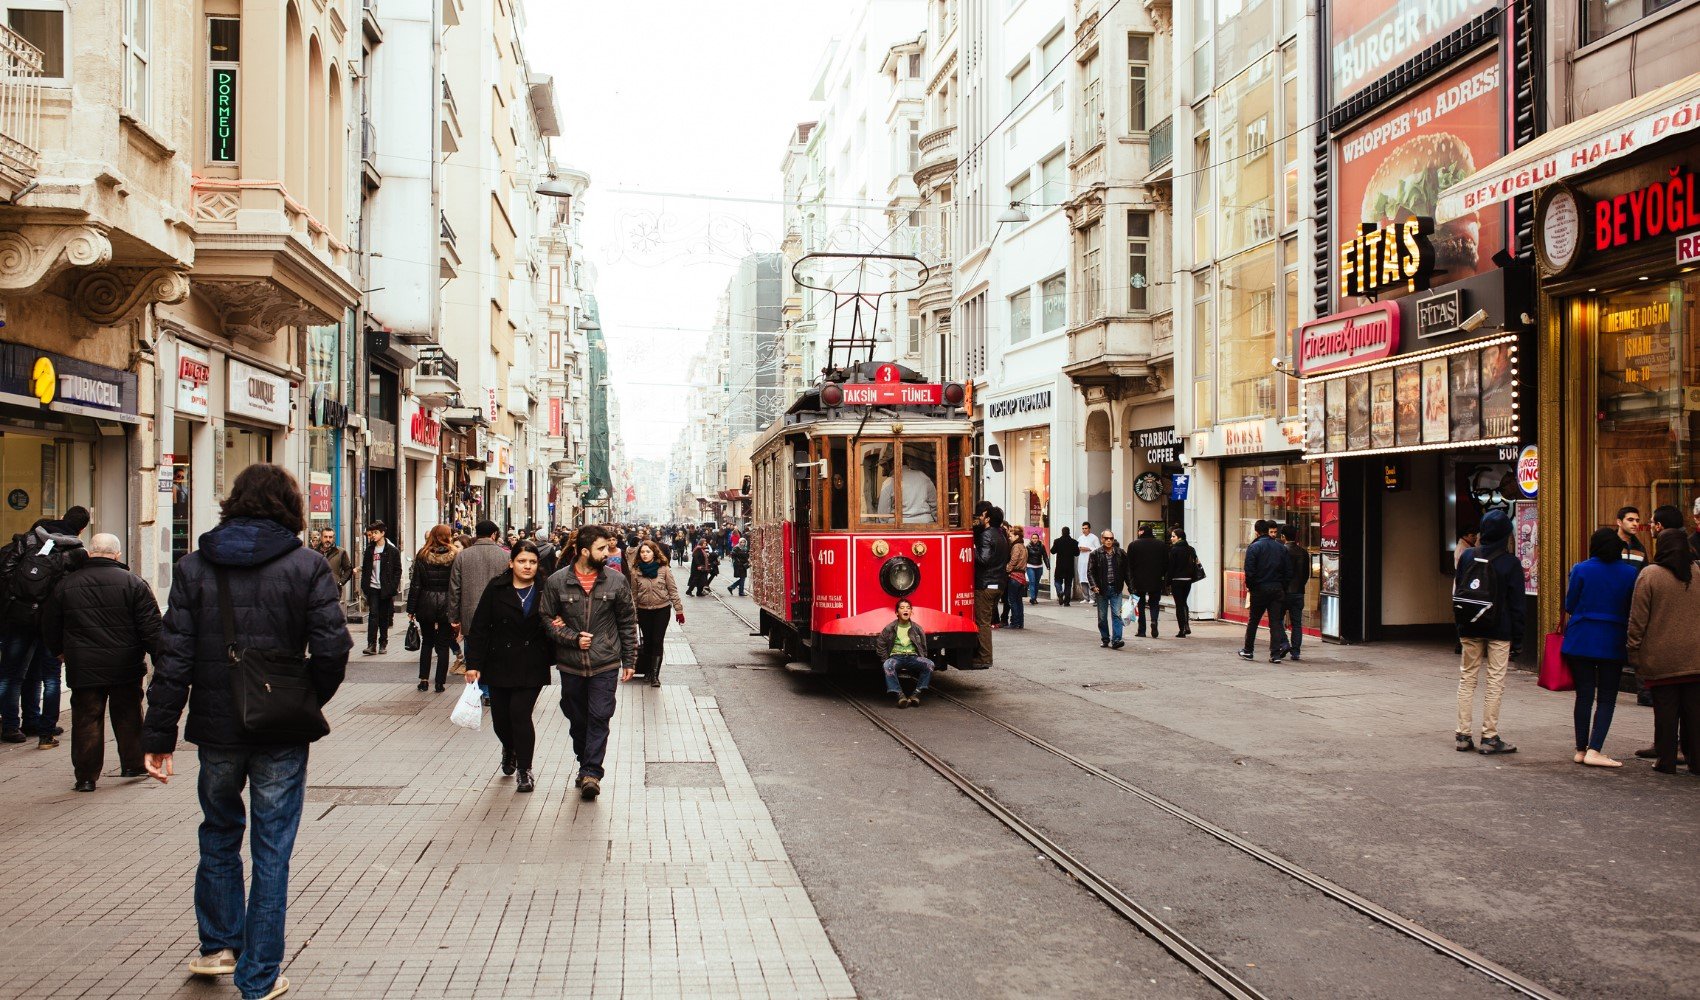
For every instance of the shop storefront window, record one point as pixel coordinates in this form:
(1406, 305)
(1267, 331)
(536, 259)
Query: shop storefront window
(1245, 161)
(321, 455)
(182, 489)
(1647, 362)
(1246, 335)
(1288, 494)
(42, 475)
(1030, 483)
(242, 448)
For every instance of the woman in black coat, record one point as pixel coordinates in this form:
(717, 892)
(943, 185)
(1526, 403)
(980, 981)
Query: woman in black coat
(1183, 560)
(428, 602)
(509, 649)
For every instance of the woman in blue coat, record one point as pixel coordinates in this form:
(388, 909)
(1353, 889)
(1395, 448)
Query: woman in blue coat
(1597, 601)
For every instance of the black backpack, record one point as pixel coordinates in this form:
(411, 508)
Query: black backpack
(1475, 597)
(29, 575)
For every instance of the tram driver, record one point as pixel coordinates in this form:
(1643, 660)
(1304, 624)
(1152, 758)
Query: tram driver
(920, 496)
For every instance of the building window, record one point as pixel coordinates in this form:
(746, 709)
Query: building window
(1021, 188)
(1245, 173)
(1052, 51)
(1092, 271)
(974, 319)
(914, 330)
(1201, 199)
(1602, 17)
(1138, 261)
(1247, 341)
(42, 23)
(1091, 104)
(1138, 80)
(1052, 182)
(1055, 308)
(1020, 316)
(1203, 23)
(1289, 130)
(914, 145)
(1020, 82)
(136, 28)
(914, 65)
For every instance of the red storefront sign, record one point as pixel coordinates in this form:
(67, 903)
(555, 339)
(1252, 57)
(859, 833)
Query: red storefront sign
(893, 394)
(424, 430)
(555, 416)
(1661, 207)
(1349, 338)
(319, 498)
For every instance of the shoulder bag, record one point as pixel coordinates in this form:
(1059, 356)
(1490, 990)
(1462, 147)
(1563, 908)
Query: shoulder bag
(270, 689)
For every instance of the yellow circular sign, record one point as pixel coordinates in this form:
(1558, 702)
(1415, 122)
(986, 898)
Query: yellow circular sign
(44, 380)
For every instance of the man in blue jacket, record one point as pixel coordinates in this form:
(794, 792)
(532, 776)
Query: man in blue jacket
(1267, 570)
(1496, 641)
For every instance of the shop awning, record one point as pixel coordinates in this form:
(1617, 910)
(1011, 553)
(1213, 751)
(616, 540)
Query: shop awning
(1582, 145)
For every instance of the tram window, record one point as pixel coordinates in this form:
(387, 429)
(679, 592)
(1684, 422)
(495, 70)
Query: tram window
(953, 483)
(878, 487)
(838, 466)
(918, 486)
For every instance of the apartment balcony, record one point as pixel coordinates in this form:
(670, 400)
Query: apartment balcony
(936, 293)
(436, 378)
(450, 125)
(938, 155)
(369, 175)
(369, 25)
(20, 113)
(1106, 350)
(1162, 151)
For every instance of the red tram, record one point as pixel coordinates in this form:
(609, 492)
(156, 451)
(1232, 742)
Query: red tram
(862, 494)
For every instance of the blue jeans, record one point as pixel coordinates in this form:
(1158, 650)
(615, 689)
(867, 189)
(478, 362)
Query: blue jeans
(588, 704)
(277, 784)
(1033, 575)
(1109, 616)
(922, 666)
(738, 585)
(1596, 695)
(29, 677)
(1015, 606)
(1295, 616)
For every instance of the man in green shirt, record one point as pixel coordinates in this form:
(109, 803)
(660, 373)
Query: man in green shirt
(902, 645)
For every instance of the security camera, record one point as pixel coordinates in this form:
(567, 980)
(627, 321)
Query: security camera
(1281, 365)
(1474, 322)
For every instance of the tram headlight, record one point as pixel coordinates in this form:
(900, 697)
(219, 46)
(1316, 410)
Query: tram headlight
(900, 576)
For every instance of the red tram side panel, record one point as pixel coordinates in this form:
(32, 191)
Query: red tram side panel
(772, 580)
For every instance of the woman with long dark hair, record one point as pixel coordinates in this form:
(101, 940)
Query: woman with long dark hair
(509, 649)
(428, 602)
(1182, 558)
(1664, 632)
(655, 593)
(1597, 600)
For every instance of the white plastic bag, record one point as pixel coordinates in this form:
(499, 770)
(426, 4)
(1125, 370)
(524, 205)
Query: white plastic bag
(1130, 609)
(469, 710)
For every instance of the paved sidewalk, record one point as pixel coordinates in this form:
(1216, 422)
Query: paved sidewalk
(419, 873)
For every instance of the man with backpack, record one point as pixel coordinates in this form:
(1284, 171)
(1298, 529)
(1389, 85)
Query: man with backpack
(30, 568)
(1487, 602)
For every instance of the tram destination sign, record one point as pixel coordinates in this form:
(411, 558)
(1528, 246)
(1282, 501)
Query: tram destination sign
(893, 394)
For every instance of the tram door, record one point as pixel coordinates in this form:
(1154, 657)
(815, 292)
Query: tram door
(802, 488)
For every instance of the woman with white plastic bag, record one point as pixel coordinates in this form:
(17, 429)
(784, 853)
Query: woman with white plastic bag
(510, 650)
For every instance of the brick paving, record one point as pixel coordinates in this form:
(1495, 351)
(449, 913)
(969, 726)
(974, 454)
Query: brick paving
(419, 873)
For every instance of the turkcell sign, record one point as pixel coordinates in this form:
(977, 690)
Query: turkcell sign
(1349, 338)
(223, 83)
(893, 394)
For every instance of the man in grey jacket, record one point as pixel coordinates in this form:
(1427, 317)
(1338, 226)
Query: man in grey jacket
(590, 614)
(474, 568)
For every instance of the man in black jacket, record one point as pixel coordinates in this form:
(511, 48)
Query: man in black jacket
(1267, 570)
(1106, 571)
(282, 599)
(1065, 558)
(991, 573)
(1148, 566)
(1298, 578)
(101, 621)
(30, 567)
(1496, 642)
(380, 581)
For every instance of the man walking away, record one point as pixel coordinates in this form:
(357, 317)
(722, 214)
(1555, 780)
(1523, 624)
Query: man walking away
(1487, 597)
(1266, 572)
(278, 598)
(30, 568)
(474, 568)
(991, 565)
(1298, 578)
(740, 568)
(341, 563)
(1148, 565)
(380, 581)
(1106, 569)
(589, 612)
(1065, 558)
(101, 621)
(1088, 545)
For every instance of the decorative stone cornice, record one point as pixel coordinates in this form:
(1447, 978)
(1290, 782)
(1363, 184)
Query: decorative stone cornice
(252, 310)
(31, 256)
(112, 295)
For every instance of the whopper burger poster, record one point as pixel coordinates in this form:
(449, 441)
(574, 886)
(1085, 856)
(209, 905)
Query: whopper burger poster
(1395, 165)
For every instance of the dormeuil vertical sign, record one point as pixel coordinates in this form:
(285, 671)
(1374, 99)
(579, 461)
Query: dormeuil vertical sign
(222, 131)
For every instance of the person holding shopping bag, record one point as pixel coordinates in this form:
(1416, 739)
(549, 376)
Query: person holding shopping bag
(510, 650)
(655, 593)
(1597, 602)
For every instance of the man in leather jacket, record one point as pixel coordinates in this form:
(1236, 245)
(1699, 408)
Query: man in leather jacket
(991, 560)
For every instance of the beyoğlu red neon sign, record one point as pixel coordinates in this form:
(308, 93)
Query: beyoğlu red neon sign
(1666, 206)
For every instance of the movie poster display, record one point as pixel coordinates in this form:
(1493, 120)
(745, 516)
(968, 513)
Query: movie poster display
(1436, 427)
(1394, 166)
(1499, 395)
(1316, 433)
(1357, 411)
(1381, 408)
(1408, 397)
(1367, 39)
(1336, 405)
(1466, 380)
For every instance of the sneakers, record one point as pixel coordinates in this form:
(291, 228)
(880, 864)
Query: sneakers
(47, 742)
(369, 651)
(578, 780)
(1463, 742)
(589, 788)
(1495, 745)
(509, 762)
(527, 782)
(904, 701)
(1244, 654)
(218, 963)
(1117, 644)
(279, 988)
(915, 699)
(1296, 658)
(383, 650)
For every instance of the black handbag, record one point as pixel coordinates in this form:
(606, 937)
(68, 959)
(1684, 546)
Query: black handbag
(1197, 570)
(411, 643)
(270, 689)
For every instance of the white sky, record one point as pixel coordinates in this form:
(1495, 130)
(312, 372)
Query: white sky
(674, 96)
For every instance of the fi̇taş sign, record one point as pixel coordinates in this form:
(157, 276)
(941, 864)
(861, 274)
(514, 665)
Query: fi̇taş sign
(1379, 258)
(1349, 338)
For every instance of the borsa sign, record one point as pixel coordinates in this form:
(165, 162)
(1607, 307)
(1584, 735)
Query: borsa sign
(1381, 258)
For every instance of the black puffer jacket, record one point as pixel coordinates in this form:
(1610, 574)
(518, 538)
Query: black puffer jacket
(428, 590)
(991, 558)
(508, 647)
(283, 598)
(102, 619)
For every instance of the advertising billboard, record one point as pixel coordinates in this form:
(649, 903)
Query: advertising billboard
(1393, 166)
(1367, 39)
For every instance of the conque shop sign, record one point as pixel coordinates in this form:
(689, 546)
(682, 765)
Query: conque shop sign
(1029, 403)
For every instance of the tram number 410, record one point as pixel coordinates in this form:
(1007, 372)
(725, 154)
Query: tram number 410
(826, 557)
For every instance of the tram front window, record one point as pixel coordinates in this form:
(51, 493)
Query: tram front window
(877, 484)
(909, 495)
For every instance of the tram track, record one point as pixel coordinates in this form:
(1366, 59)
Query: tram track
(1189, 952)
